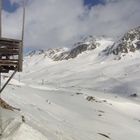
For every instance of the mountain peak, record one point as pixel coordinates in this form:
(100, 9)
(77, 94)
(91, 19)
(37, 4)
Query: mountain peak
(130, 42)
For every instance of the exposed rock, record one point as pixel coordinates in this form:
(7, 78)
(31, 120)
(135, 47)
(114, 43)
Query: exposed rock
(59, 54)
(38, 52)
(104, 135)
(78, 49)
(78, 93)
(5, 105)
(130, 42)
(101, 111)
(134, 95)
(91, 98)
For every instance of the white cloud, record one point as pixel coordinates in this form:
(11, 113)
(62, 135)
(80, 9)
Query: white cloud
(56, 23)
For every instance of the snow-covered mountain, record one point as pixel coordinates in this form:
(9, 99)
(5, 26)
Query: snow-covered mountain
(83, 97)
(130, 42)
(86, 44)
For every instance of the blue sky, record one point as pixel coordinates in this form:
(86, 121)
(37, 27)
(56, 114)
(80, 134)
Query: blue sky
(8, 7)
(91, 3)
(11, 8)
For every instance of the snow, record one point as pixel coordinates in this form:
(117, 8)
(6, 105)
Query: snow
(53, 97)
(23, 131)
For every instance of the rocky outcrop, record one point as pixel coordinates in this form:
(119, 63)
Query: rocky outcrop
(130, 42)
(78, 48)
(5, 105)
(58, 54)
(74, 52)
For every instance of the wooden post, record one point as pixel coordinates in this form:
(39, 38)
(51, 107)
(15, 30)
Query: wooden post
(22, 38)
(0, 73)
(23, 21)
(0, 18)
(0, 31)
(8, 81)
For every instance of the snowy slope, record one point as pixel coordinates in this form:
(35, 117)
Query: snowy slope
(85, 98)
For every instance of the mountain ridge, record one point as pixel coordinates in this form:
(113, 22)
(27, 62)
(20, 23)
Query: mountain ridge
(129, 42)
(87, 44)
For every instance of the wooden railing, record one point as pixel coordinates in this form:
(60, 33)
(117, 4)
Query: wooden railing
(10, 55)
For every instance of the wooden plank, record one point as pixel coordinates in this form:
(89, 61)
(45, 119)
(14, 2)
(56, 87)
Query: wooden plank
(10, 40)
(6, 69)
(9, 60)
(5, 50)
(10, 43)
(9, 53)
(9, 47)
(6, 63)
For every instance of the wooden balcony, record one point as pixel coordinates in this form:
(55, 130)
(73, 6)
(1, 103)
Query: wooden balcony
(10, 55)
